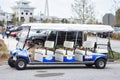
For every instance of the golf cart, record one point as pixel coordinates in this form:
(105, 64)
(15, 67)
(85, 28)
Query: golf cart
(52, 54)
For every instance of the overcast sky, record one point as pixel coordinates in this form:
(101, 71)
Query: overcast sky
(60, 8)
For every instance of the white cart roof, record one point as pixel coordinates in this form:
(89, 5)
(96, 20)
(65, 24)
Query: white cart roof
(70, 27)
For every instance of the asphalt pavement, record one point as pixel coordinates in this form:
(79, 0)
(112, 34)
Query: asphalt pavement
(81, 72)
(111, 72)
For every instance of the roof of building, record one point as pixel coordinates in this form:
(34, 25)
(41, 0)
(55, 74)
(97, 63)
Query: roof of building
(23, 4)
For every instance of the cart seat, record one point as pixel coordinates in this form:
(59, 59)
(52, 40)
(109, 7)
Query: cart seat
(68, 45)
(44, 52)
(98, 50)
(82, 52)
(62, 51)
(48, 45)
(87, 45)
(45, 55)
(67, 54)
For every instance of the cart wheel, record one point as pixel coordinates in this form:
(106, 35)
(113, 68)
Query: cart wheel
(89, 65)
(11, 62)
(100, 63)
(20, 64)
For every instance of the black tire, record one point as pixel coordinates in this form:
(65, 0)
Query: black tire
(11, 62)
(20, 64)
(100, 63)
(89, 65)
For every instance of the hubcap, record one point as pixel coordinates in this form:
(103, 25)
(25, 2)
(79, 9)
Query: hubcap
(21, 64)
(101, 63)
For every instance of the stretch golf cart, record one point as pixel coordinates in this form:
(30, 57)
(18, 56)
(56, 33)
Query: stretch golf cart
(52, 54)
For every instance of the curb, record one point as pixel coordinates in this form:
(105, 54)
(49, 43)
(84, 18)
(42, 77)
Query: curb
(3, 63)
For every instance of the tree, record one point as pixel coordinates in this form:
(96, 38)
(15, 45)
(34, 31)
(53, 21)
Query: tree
(14, 19)
(118, 17)
(45, 20)
(115, 8)
(64, 20)
(84, 10)
(3, 21)
(115, 5)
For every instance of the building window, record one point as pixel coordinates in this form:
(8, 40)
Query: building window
(30, 13)
(26, 13)
(22, 13)
(31, 19)
(22, 19)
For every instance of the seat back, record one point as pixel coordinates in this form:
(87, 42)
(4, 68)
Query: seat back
(88, 44)
(68, 44)
(49, 44)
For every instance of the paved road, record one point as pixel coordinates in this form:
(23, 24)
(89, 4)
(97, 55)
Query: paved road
(111, 72)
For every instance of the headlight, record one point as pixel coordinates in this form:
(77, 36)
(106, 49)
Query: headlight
(15, 54)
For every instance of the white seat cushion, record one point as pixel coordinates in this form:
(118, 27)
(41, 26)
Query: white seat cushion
(43, 52)
(62, 51)
(101, 50)
(88, 44)
(68, 44)
(49, 44)
(77, 51)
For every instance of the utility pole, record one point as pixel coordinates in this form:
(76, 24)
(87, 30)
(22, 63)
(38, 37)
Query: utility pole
(83, 21)
(46, 9)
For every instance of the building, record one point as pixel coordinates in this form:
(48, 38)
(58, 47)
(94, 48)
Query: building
(23, 11)
(5, 17)
(2, 15)
(108, 19)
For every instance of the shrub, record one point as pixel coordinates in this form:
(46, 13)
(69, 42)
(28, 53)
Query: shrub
(116, 36)
(3, 50)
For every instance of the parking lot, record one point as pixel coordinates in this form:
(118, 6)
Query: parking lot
(60, 73)
(111, 72)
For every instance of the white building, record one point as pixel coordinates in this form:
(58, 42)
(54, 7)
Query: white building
(2, 14)
(5, 17)
(23, 11)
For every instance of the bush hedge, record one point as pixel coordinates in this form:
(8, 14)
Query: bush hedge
(116, 36)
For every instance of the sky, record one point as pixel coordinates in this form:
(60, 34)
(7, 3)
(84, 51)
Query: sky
(61, 8)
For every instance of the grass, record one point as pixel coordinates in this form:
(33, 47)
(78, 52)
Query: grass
(116, 36)
(116, 56)
(3, 47)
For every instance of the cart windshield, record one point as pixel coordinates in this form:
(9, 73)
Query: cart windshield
(23, 37)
